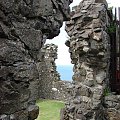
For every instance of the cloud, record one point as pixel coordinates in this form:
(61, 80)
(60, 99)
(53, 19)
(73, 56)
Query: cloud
(75, 2)
(63, 54)
(114, 3)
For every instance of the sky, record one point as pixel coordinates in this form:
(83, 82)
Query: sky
(63, 54)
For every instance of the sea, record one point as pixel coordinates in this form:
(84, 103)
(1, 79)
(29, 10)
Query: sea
(65, 71)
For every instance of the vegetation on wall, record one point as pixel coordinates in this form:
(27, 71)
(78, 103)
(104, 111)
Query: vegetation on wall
(112, 28)
(107, 91)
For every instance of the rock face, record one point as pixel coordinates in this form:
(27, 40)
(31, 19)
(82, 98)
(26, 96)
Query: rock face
(24, 27)
(89, 49)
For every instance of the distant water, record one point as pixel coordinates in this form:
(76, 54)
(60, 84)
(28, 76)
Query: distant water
(66, 72)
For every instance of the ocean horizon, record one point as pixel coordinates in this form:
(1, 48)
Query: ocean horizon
(65, 71)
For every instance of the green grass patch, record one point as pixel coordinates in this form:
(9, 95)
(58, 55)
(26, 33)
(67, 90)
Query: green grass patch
(49, 109)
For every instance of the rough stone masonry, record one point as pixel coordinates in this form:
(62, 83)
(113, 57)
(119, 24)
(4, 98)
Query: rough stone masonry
(24, 27)
(89, 46)
(50, 85)
(47, 71)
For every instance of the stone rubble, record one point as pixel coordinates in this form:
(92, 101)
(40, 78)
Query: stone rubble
(63, 90)
(112, 107)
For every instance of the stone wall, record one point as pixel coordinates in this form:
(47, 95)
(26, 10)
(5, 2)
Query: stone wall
(62, 90)
(89, 46)
(47, 71)
(50, 86)
(24, 27)
(112, 107)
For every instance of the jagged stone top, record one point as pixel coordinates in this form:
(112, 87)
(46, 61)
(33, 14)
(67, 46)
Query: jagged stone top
(50, 51)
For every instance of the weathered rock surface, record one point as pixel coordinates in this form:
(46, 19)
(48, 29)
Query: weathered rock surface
(112, 107)
(89, 47)
(24, 27)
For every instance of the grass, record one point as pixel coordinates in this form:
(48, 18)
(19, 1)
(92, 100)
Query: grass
(49, 109)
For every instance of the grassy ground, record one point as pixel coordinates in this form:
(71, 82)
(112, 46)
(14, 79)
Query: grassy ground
(49, 109)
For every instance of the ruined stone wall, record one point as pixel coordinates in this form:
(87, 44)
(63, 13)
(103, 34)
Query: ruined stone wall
(24, 27)
(50, 86)
(63, 90)
(112, 107)
(48, 72)
(89, 46)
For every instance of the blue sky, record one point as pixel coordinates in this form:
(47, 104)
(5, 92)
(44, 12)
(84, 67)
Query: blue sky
(66, 72)
(63, 54)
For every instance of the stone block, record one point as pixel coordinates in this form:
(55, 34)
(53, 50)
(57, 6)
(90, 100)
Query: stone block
(33, 112)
